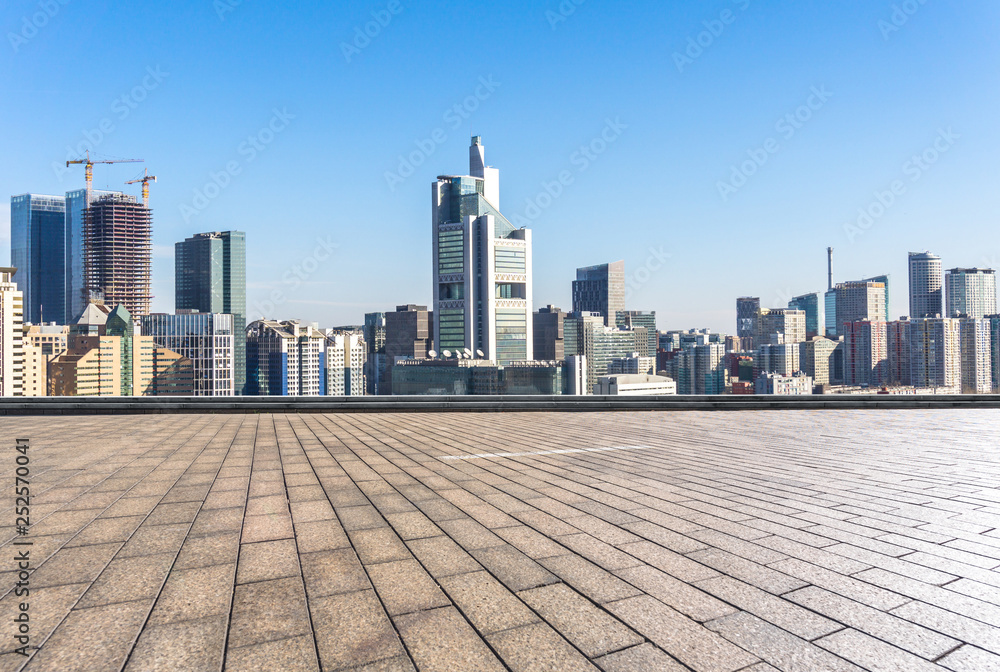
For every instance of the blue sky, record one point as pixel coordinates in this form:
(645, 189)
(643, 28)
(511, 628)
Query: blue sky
(186, 85)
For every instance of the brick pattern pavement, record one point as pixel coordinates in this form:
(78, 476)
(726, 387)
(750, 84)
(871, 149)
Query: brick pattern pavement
(755, 541)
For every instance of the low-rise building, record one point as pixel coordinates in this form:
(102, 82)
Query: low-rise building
(774, 383)
(630, 384)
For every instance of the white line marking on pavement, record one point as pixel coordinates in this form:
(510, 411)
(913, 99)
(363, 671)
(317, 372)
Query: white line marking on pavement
(544, 452)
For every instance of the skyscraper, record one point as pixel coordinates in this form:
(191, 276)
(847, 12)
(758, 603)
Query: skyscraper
(210, 277)
(285, 359)
(118, 246)
(600, 289)
(747, 316)
(376, 362)
(971, 292)
(935, 353)
(866, 353)
(38, 251)
(977, 356)
(789, 324)
(11, 336)
(633, 319)
(550, 334)
(926, 285)
(884, 280)
(482, 267)
(859, 302)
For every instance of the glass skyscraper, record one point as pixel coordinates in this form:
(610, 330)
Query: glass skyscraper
(482, 267)
(810, 305)
(600, 289)
(38, 251)
(210, 277)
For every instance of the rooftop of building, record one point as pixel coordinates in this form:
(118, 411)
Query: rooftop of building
(788, 540)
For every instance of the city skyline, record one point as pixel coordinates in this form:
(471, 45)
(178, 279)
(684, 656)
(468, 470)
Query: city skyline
(671, 141)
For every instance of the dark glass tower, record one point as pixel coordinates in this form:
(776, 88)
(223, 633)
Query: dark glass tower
(38, 251)
(210, 276)
(600, 289)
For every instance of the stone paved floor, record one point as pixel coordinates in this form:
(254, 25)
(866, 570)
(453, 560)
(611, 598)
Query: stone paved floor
(791, 540)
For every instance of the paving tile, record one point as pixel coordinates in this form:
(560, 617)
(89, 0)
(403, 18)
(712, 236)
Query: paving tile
(215, 549)
(378, 545)
(598, 552)
(153, 539)
(92, 640)
(353, 629)
(294, 654)
(194, 646)
(487, 603)
(970, 659)
(268, 611)
(440, 640)
(589, 628)
(514, 569)
(404, 587)
(267, 560)
(538, 648)
(670, 562)
(413, 525)
(872, 654)
(859, 591)
(443, 557)
(193, 594)
(586, 577)
(645, 657)
(216, 521)
(129, 579)
(320, 535)
(688, 599)
(777, 647)
(921, 641)
(682, 638)
(333, 572)
(106, 530)
(954, 625)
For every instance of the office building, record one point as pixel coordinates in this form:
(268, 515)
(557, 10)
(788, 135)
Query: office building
(460, 376)
(780, 358)
(634, 319)
(816, 359)
(41, 344)
(786, 324)
(701, 369)
(375, 357)
(926, 285)
(210, 276)
(830, 313)
(884, 280)
(117, 259)
(866, 353)
(585, 334)
(286, 359)
(549, 327)
(11, 335)
(897, 343)
(204, 338)
(935, 353)
(633, 364)
(810, 304)
(38, 251)
(344, 360)
(408, 335)
(600, 289)
(971, 292)
(862, 301)
(631, 384)
(482, 267)
(977, 356)
(747, 316)
(776, 383)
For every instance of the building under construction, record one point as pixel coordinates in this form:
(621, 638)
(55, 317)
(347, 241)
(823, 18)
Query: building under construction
(117, 252)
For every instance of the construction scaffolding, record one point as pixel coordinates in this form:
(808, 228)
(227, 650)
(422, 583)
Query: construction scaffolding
(117, 252)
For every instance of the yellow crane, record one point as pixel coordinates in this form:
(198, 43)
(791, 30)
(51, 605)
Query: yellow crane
(145, 179)
(90, 168)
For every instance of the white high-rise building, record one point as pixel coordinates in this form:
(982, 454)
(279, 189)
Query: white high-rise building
(926, 285)
(935, 353)
(345, 364)
(11, 335)
(971, 292)
(482, 267)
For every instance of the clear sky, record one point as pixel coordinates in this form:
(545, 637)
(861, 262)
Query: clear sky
(683, 93)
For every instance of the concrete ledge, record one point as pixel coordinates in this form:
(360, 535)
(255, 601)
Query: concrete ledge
(478, 404)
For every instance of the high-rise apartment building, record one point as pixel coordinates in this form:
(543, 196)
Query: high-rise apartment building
(862, 301)
(286, 359)
(117, 252)
(38, 251)
(780, 324)
(634, 319)
(971, 292)
(885, 281)
(935, 353)
(701, 369)
(204, 338)
(550, 334)
(210, 276)
(747, 316)
(811, 305)
(816, 359)
(345, 364)
(995, 349)
(897, 343)
(977, 356)
(482, 267)
(866, 353)
(41, 343)
(600, 289)
(11, 335)
(779, 358)
(926, 285)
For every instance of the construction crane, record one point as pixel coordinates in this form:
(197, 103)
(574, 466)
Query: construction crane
(90, 168)
(145, 179)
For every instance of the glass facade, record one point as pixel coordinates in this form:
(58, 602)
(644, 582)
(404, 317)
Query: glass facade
(809, 304)
(451, 334)
(38, 251)
(210, 277)
(451, 252)
(510, 261)
(204, 338)
(512, 336)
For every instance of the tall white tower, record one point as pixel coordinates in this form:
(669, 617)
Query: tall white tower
(482, 267)
(11, 335)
